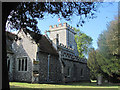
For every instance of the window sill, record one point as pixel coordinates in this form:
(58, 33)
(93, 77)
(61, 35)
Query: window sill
(22, 71)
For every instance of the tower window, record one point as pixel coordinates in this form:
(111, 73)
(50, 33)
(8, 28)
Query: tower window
(57, 36)
(68, 71)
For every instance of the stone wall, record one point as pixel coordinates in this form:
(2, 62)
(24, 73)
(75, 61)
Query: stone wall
(11, 63)
(60, 68)
(25, 76)
(66, 35)
(62, 35)
(24, 47)
(74, 68)
(70, 38)
(75, 71)
(54, 69)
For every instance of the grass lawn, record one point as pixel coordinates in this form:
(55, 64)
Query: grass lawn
(79, 85)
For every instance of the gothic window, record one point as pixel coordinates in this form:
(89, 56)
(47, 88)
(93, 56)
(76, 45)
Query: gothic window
(81, 73)
(68, 71)
(22, 64)
(74, 70)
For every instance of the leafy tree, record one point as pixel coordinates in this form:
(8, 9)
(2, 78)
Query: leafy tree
(108, 56)
(113, 37)
(23, 15)
(83, 43)
(106, 59)
(93, 64)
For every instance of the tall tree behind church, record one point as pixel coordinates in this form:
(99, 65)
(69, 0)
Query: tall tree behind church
(109, 51)
(84, 43)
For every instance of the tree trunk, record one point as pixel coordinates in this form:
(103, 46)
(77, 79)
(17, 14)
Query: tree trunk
(5, 80)
(7, 7)
(5, 13)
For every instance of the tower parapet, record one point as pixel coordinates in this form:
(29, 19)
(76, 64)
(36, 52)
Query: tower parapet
(62, 26)
(63, 33)
(50, 27)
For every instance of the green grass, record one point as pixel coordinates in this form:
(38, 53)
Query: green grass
(67, 85)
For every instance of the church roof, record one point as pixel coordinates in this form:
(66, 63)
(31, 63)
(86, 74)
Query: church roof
(44, 44)
(9, 40)
(11, 36)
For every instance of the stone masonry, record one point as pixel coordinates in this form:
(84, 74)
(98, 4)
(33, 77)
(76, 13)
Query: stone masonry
(73, 67)
(52, 59)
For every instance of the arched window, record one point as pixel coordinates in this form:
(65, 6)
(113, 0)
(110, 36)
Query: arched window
(68, 71)
(81, 72)
(74, 70)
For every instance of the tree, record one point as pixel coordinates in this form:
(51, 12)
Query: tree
(83, 43)
(93, 64)
(109, 56)
(112, 37)
(23, 15)
(106, 59)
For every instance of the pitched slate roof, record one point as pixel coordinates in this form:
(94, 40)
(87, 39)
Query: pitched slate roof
(9, 40)
(44, 44)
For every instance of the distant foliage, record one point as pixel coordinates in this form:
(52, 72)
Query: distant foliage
(108, 53)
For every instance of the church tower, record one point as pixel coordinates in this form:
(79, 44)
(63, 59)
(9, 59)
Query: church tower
(64, 34)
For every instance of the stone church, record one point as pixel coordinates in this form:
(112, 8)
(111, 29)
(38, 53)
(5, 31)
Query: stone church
(37, 58)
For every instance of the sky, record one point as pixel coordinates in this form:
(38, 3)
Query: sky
(92, 27)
